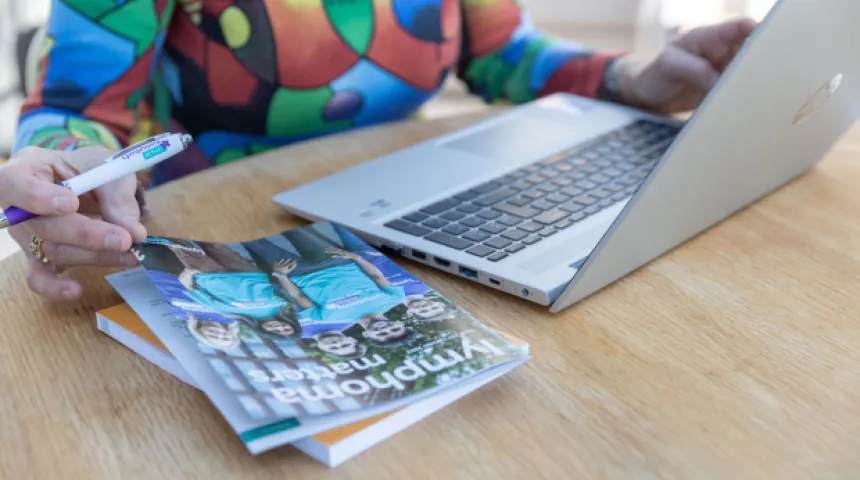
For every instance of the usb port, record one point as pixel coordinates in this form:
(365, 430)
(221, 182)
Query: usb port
(419, 254)
(442, 262)
(468, 273)
(495, 282)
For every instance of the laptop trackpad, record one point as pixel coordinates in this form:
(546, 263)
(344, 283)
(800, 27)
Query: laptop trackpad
(567, 253)
(515, 137)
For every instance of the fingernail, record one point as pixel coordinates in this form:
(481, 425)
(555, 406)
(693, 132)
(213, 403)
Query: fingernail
(65, 204)
(113, 241)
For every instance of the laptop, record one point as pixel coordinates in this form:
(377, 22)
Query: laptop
(553, 200)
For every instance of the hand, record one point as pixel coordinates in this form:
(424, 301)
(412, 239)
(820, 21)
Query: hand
(341, 253)
(284, 267)
(686, 70)
(71, 236)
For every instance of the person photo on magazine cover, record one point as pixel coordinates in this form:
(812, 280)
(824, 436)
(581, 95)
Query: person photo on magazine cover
(338, 281)
(222, 280)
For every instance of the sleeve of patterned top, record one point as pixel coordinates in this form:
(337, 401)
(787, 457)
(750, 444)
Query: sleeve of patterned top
(94, 72)
(506, 58)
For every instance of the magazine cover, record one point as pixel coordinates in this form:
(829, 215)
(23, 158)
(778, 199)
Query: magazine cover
(310, 323)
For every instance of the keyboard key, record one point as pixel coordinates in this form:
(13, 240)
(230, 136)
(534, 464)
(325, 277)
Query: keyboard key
(456, 229)
(562, 181)
(486, 188)
(536, 178)
(524, 212)
(572, 191)
(515, 248)
(577, 175)
(416, 217)
(435, 223)
(619, 196)
(473, 222)
(548, 172)
(506, 179)
(498, 256)
(599, 178)
(586, 200)
(532, 240)
(494, 228)
(606, 202)
(599, 193)
(521, 184)
(453, 215)
(480, 251)
(531, 168)
(625, 166)
(612, 172)
(440, 207)
(591, 210)
(449, 240)
(566, 222)
(490, 214)
(589, 169)
(518, 174)
(591, 155)
(587, 185)
(409, 228)
(614, 187)
(476, 236)
(530, 227)
(578, 161)
(514, 234)
(510, 221)
(469, 208)
(548, 232)
(520, 201)
(534, 194)
(498, 242)
(546, 189)
(603, 163)
(550, 217)
(543, 205)
(466, 196)
(495, 197)
(574, 218)
(572, 207)
(563, 167)
(557, 198)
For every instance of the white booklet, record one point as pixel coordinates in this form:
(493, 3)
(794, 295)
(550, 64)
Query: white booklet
(304, 331)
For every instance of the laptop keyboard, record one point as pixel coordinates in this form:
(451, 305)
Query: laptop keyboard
(507, 215)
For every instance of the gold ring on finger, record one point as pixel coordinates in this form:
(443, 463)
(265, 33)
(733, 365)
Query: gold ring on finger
(36, 248)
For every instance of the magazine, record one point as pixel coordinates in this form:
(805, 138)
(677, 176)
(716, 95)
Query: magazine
(312, 328)
(332, 447)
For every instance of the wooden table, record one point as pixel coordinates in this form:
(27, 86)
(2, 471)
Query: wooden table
(735, 356)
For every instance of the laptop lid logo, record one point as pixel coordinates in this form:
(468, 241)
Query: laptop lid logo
(820, 96)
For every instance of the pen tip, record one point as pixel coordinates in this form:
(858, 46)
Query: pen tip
(186, 140)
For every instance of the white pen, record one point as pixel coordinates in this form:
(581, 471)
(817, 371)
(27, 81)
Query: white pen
(140, 156)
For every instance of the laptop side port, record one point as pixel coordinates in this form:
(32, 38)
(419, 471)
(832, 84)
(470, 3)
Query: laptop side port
(469, 273)
(419, 254)
(495, 282)
(442, 262)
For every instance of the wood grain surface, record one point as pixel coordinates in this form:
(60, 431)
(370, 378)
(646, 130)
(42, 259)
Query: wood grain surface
(735, 356)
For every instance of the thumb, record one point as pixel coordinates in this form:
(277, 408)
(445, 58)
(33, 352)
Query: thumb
(118, 201)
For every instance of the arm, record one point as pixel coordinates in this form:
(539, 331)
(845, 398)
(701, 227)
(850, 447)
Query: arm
(505, 58)
(368, 268)
(95, 71)
(281, 270)
(371, 271)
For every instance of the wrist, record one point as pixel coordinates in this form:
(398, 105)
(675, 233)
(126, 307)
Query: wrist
(618, 81)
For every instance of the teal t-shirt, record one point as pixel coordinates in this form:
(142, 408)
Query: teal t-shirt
(345, 293)
(250, 294)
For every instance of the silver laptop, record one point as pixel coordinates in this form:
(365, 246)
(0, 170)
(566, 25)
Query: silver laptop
(553, 200)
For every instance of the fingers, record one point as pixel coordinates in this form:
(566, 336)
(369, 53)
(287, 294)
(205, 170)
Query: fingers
(682, 66)
(43, 280)
(30, 186)
(718, 43)
(82, 232)
(63, 256)
(119, 205)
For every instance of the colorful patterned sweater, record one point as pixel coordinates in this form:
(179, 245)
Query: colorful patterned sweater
(243, 76)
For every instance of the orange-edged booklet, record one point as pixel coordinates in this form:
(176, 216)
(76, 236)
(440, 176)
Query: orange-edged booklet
(331, 447)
